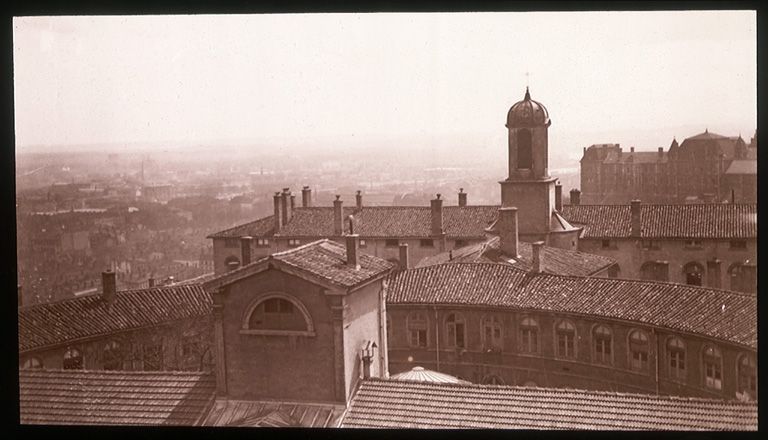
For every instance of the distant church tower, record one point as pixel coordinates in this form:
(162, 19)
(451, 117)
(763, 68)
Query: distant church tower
(529, 187)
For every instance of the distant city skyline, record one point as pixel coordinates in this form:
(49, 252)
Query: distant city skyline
(636, 78)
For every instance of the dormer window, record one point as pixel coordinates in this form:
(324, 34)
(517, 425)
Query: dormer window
(278, 314)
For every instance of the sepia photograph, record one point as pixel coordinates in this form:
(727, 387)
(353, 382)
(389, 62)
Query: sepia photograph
(434, 220)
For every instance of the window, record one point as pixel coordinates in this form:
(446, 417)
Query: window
(524, 149)
(112, 356)
(738, 244)
(277, 314)
(606, 244)
(232, 262)
(460, 243)
(32, 363)
(638, 350)
(232, 242)
(73, 359)
(426, 242)
(529, 335)
(565, 335)
(693, 273)
(391, 242)
(747, 372)
(676, 358)
(294, 242)
(362, 243)
(602, 340)
(454, 329)
(262, 242)
(491, 333)
(693, 244)
(153, 357)
(713, 368)
(417, 330)
(651, 245)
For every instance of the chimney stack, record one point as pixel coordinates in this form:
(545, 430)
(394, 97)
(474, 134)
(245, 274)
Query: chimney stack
(508, 231)
(353, 247)
(558, 196)
(462, 197)
(278, 212)
(404, 259)
(245, 249)
(536, 263)
(108, 286)
(575, 196)
(713, 273)
(284, 205)
(338, 221)
(437, 215)
(631, 149)
(661, 151)
(151, 282)
(293, 202)
(635, 209)
(359, 200)
(306, 197)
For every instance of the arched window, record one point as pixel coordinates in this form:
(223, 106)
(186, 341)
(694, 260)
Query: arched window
(638, 350)
(492, 379)
(530, 384)
(713, 367)
(417, 330)
(529, 335)
(32, 363)
(747, 375)
(491, 333)
(232, 262)
(676, 358)
(454, 330)
(278, 314)
(693, 273)
(73, 359)
(602, 339)
(112, 356)
(524, 149)
(565, 337)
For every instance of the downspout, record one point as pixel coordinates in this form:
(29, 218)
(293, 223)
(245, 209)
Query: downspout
(437, 340)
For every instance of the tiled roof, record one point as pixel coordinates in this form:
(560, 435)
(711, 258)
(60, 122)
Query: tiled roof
(419, 374)
(76, 397)
(324, 259)
(274, 414)
(61, 321)
(704, 220)
(553, 260)
(729, 316)
(636, 157)
(262, 227)
(381, 403)
(742, 166)
(374, 221)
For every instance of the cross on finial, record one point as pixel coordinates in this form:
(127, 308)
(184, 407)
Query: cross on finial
(527, 79)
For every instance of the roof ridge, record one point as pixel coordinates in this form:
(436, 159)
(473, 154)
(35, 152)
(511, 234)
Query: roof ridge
(239, 226)
(298, 248)
(116, 372)
(117, 293)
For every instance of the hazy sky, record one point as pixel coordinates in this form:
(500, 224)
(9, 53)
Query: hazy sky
(204, 78)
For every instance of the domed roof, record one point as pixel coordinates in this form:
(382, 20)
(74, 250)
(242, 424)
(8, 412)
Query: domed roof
(419, 374)
(527, 112)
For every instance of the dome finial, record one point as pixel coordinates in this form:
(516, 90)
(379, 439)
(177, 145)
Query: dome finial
(527, 94)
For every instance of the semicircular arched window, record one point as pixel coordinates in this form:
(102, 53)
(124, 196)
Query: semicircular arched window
(713, 367)
(73, 359)
(278, 314)
(112, 356)
(32, 363)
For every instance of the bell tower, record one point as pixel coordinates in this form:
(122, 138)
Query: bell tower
(528, 186)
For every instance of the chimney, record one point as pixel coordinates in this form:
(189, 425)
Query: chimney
(635, 223)
(404, 259)
(108, 286)
(245, 249)
(18, 291)
(661, 151)
(278, 212)
(437, 215)
(536, 263)
(462, 197)
(508, 231)
(631, 149)
(338, 221)
(306, 197)
(359, 200)
(293, 202)
(575, 196)
(353, 247)
(284, 206)
(558, 196)
(151, 282)
(713, 273)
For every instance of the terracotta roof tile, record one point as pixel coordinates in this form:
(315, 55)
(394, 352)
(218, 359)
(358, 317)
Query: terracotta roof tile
(263, 227)
(61, 321)
(706, 220)
(277, 414)
(74, 397)
(721, 314)
(381, 403)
